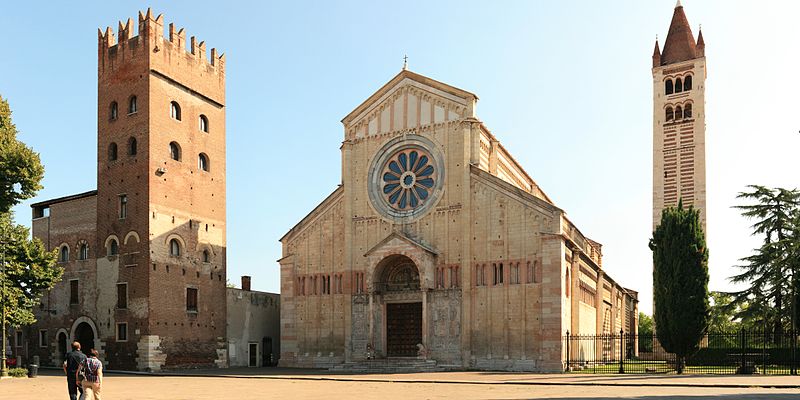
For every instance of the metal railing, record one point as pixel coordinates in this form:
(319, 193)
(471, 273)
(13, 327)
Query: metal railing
(737, 352)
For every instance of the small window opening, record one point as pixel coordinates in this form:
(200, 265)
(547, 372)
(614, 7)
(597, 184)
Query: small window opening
(174, 248)
(112, 151)
(132, 106)
(175, 110)
(174, 151)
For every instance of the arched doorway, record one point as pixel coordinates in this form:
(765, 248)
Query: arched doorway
(84, 334)
(397, 276)
(62, 345)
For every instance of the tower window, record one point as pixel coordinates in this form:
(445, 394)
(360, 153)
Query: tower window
(678, 113)
(678, 85)
(687, 110)
(202, 162)
(132, 106)
(203, 123)
(132, 146)
(668, 88)
(687, 83)
(113, 247)
(63, 254)
(670, 114)
(74, 297)
(112, 151)
(83, 252)
(122, 295)
(123, 206)
(175, 110)
(174, 151)
(114, 111)
(206, 256)
(191, 299)
(174, 248)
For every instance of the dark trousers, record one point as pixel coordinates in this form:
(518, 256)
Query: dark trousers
(73, 388)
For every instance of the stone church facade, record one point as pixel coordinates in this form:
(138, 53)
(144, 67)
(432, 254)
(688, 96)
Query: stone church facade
(437, 245)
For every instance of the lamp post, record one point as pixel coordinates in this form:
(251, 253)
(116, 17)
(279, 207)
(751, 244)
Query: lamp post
(3, 367)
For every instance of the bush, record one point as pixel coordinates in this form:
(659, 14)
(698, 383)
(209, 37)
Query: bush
(18, 372)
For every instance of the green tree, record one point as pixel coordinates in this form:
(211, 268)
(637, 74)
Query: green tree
(771, 271)
(20, 169)
(680, 282)
(30, 270)
(645, 332)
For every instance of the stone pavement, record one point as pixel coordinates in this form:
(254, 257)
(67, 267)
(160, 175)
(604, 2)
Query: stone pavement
(304, 384)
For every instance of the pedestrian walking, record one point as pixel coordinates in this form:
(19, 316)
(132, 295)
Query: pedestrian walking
(92, 370)
(72, 362)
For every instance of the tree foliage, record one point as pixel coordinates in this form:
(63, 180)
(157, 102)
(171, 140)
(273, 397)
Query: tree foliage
(770, 273)
(30, 270)
(680, 281)
(20, 169)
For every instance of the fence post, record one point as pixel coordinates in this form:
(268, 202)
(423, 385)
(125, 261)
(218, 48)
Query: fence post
(742, 350)
(621, 351)
(794, 352)
(567, 341)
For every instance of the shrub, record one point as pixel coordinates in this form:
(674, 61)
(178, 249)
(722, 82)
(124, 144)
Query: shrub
(18, 372)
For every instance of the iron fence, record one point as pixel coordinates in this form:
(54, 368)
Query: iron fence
(739, 352)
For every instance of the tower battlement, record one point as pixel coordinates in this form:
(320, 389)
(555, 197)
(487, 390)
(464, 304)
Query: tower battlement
(150, 41)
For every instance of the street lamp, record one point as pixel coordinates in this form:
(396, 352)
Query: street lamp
(3, 367)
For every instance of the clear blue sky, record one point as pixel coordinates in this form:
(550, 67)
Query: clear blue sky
(565, 85)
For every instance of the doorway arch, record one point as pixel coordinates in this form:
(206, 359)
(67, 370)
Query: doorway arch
(397, 281)
(84, 331)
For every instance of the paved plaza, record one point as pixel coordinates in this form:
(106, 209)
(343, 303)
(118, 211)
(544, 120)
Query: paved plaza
(293, 384)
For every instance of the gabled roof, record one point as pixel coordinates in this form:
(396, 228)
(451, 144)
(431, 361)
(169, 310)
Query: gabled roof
(404, 238)
(397, 79)
(680, 44)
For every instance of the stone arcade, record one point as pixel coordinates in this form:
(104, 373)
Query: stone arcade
(438, 246)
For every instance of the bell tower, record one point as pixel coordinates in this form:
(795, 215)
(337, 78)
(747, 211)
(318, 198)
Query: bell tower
(679, 125)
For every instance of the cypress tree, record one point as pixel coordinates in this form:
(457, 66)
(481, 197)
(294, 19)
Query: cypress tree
(680, 282)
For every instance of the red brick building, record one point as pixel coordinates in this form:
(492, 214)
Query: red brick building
(144, 254)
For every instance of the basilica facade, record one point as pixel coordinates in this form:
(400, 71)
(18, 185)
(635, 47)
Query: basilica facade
(437, 245)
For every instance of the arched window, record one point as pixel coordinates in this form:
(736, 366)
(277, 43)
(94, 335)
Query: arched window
(687, 83)
(202, 162)
(668, 86)
(206, 256)
(63, 254)
(114, 111)
(203, 123)
(670, 114)
(113, 247)
(132, 146)
(112, 151)
(83, 252)
(175, 110)
(174, 151)
(678, 113)
(678, 85)
(174, 248)
(132, 107)
(687, 110)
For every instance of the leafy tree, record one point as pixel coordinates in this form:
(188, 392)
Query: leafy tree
(680, 282)
(771, 271)
(30, 270)
(20, 169)
(645, 332)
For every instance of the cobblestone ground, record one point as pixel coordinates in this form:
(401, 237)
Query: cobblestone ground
(51, 386)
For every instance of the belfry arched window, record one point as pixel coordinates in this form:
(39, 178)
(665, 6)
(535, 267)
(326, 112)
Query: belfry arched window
(203, 123)
(175, 110)
(112, 151)
(132, 146)
(678, 113)
(174, 248)
(668, 88)
(202, 162)
(687, 110)
(132, 106)
(678, 85)
(63, 254)
(174, 151)
(687, 83)
(670, 114)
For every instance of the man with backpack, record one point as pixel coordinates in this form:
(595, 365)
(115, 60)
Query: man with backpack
(73, 360)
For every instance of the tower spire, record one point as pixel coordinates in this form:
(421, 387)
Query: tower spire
(679, 45)
(656, 55)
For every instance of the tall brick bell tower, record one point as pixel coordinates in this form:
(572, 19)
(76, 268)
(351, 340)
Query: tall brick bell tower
(161, 192)
(679, 120)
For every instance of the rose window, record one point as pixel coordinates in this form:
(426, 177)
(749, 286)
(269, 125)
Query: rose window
(408, 179)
